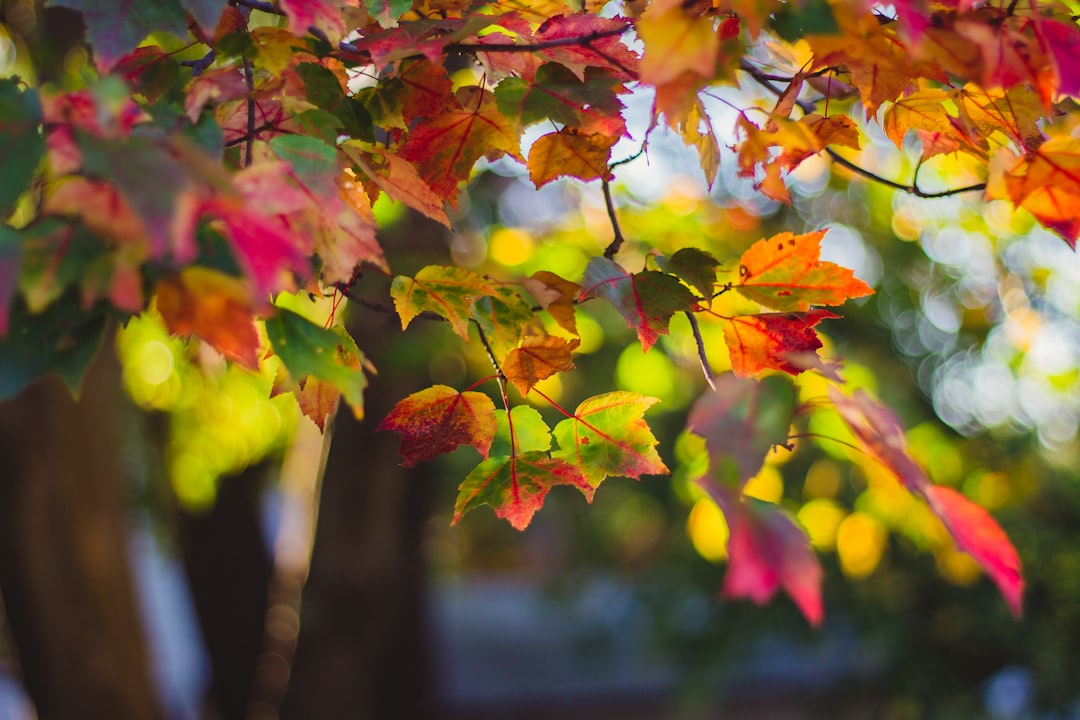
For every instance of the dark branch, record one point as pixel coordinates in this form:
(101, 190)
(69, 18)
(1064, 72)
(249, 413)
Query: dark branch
(491, 356)
(703, 358)
(249, 77)
(912, 189)
(266, 7)
(808, 107)
(584, 40)
(618, 240)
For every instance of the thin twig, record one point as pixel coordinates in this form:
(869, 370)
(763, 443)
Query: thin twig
(266, 7)
(618, 240)
(702, 356)
(249, 78)
(912, 189)
(547, 44)
(629, 159)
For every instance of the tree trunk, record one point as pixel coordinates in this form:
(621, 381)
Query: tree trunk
(229, 568)
(64, 567)
(363, 648)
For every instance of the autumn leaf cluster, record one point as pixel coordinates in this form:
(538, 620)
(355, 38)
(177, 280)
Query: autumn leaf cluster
(220, 156)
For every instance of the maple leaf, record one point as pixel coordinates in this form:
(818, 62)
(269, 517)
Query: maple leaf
(785, 273)
(536, 358)
(446, 148)
(530, 432)
(568, 152)
(399, 179)
(505, 318)
(216, 307)
(879, 63)
(114, 32)
(1062, 40)
(388, 12)
(324, 15)
(439, 420)
(218, 86)
(646, 300)
(329, 355)
(515, 486)
(974, 530)
(741, 421)
(318, 400)
(556, 94)
(695, 127)
(602, 50)
(923, 109)
(1015, 112)
(608, 435)
(1046, 183)
(768, 551)
(677, 41)
(763, 342)
(696, 267)
(446, 291)
(556, 295)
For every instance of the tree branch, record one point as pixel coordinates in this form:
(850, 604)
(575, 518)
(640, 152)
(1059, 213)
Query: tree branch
(266, 7)
(808, 107)
(703, 358)
(618, 240)
(249, 78)
(584, 40)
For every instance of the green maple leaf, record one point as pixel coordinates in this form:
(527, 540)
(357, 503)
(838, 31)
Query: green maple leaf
(446, 291)
(309, 350)
(696, 267)
(608, 435)
(505, 318)
(646, 300)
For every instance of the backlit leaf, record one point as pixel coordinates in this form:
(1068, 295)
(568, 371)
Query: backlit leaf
(696, 267)
(785, 273)
(536, 358)
(741, 421)
(608, 435)
(308, 350)
(763, 342)
(530, 432)
(646, 300)
(446, 291)
(1046, 183)
(439, 420)
(768, 551)
(515, 487)
(974, 530)
(214, 306)
(556, 295)
(387, 12)
(570, 153)
(505, 318)
(446, 148)
(676, 41)
(399, 179)
(557, 94)
(324, 15)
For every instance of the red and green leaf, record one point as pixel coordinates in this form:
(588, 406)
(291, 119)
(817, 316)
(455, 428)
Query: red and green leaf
(449, 292)
(440, 420)
(515, 486)
(974, 530)
(741, 421)
(608, 435)
(646, 300)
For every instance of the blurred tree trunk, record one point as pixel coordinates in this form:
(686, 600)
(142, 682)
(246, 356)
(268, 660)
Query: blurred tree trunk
(64, 566)
(228, 568)
(363, 650)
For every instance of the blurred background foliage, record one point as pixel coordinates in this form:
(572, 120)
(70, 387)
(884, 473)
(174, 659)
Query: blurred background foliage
(973, 335)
